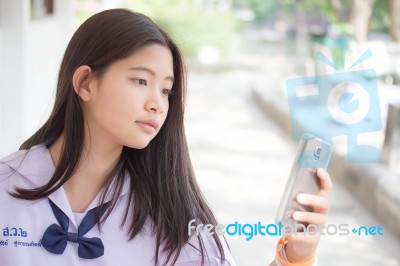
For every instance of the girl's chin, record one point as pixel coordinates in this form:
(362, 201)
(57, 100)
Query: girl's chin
(138, 145)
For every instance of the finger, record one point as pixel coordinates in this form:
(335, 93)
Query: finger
(309, 217)
(326, 182)
(318, 203)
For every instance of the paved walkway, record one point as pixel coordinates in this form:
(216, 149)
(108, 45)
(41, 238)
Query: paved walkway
(242, 160)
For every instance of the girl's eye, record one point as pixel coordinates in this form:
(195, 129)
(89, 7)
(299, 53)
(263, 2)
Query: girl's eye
(167, 92)
(142, 82)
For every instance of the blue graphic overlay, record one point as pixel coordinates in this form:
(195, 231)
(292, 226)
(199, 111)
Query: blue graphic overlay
(342, 103)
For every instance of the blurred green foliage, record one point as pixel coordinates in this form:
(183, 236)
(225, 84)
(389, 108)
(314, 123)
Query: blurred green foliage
(262, 9)
(189, 26)
(265, 10)
(196, 23)
(380, 18)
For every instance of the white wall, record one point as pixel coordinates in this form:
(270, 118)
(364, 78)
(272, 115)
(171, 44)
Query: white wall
(1, 96)
(30, 55)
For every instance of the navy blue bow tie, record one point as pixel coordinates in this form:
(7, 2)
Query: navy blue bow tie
(55, 237)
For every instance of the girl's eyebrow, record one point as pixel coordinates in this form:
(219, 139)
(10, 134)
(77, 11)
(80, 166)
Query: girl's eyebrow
(145, 69)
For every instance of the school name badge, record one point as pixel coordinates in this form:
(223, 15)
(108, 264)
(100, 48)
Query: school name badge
(17, 237)
(343, 103)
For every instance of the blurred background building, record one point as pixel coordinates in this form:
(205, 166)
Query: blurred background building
(33, 37)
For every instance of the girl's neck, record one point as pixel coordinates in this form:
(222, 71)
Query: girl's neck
(96, 162)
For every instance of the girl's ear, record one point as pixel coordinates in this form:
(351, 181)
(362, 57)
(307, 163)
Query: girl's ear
(81, 82)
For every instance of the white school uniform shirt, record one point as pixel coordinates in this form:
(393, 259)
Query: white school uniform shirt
(23, 222)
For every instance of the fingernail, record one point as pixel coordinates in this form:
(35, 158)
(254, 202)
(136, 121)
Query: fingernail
(301, 197)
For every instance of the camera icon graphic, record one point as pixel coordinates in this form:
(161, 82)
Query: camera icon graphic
(342, 103)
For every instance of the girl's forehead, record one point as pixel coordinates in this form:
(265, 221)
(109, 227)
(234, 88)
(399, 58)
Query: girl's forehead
(154, 57)
(154, 49)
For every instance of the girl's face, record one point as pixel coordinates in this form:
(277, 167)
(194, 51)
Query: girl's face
(130, 100)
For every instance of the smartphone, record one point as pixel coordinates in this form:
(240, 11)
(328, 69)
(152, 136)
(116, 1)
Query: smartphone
(312, 153)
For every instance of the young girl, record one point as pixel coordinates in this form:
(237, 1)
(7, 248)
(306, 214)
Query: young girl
(108, 180)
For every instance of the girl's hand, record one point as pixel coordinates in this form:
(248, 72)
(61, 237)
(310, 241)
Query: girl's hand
(300, 246)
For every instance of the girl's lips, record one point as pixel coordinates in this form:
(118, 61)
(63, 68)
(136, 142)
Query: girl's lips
(150, 122)
(147, 127)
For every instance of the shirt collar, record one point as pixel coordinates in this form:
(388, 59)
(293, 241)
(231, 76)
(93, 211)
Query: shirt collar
(37, 167)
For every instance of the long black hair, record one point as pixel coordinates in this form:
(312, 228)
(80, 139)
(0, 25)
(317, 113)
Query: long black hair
(162, 182)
